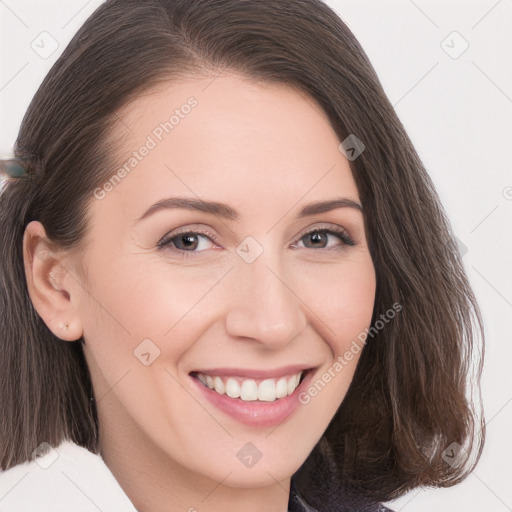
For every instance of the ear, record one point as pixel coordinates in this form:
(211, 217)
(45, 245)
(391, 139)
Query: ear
(50, 286)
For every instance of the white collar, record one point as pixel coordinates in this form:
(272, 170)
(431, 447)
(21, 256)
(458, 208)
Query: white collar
(65, 478)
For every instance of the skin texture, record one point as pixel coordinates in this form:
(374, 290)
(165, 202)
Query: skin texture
(266, 150)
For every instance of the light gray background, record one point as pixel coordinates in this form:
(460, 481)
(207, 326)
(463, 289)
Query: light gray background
(457, 110)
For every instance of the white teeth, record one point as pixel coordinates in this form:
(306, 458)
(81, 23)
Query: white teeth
(232, 388)
(291, 385)
(249, 390)
(268, 390)
(282, 387)
(218, 385)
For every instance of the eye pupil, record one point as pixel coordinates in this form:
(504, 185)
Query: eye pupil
(189, 239)
(317, 237)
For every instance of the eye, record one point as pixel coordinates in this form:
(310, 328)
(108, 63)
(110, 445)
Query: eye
(320, 236)
(190, 242)
(187, 242)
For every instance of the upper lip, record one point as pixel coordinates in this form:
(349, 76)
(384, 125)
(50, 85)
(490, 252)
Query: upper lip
(250, 373)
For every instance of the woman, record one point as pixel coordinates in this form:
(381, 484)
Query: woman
(312, 354)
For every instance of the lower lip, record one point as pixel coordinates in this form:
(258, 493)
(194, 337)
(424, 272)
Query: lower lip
(255, 413)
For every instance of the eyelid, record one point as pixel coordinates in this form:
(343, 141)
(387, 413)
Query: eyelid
(319, 226)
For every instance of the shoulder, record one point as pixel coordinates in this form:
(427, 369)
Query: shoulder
(66, 474)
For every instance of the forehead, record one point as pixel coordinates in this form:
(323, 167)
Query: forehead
(228, 138)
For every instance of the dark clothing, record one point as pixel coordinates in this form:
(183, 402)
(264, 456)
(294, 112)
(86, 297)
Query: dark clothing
(297, 504)
(327, 490)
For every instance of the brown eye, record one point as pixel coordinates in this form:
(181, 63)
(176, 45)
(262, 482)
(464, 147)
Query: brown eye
(318, 238)
(187, 242)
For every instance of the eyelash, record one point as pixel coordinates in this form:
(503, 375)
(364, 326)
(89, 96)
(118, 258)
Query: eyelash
(340, 233)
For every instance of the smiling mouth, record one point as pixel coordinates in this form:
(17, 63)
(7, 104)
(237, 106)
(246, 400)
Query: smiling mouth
(252, 390)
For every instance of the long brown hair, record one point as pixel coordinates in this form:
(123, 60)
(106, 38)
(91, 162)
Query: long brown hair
(409, 397)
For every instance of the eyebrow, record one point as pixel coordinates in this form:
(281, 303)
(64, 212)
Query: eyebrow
(227, 212)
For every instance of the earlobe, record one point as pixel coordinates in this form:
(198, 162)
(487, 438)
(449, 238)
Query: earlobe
(48, 285)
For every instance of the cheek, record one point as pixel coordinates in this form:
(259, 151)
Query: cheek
(139, 296)
(133, 298)
(343, 301)
(138, 300)
(139, 308)
(342, 297)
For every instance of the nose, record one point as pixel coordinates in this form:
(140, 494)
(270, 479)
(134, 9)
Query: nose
(264, 304)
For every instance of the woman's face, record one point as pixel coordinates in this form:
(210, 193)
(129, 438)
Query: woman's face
(245, 301)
